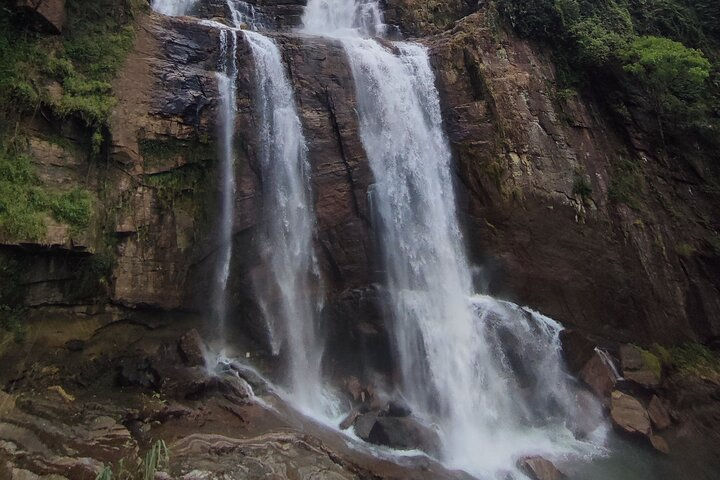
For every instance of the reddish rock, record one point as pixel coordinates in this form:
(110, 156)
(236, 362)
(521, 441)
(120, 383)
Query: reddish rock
(539, 468)
(658, 414)
(192, 349)
(599, 376)
(659, 444)
(629, 415)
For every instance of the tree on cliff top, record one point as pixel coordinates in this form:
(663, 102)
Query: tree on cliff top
(673, 75)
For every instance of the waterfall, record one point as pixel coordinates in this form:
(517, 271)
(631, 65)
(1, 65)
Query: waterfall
(173, 7)
(343, 18)
(226, 77)
(487, 372)
(291, 293)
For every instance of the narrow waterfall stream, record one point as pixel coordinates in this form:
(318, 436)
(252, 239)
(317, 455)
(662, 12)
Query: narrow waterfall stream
(488, 373)
(173, 7)
(226, 77)
(291, 296)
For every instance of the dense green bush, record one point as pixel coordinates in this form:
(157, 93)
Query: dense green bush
(666, 46)
(24, 202)
(673, 75)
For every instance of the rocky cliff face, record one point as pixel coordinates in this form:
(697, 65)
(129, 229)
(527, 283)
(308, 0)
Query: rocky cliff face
(535, 166)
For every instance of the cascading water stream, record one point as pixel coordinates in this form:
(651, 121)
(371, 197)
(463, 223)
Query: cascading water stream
(291, 293)
(173, 7)
(226, 77)
(487, 372)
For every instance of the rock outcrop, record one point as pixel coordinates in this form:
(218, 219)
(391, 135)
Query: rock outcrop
(539, 468)
(48, 15)
(629, 415)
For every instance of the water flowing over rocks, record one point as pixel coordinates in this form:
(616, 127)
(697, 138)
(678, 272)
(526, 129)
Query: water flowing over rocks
(87, 395)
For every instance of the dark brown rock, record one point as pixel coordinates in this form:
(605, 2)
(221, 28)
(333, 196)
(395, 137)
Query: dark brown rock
(640, 367)
(48, 14)
(629, 415)
(539, 468)
(577, 349)
(364, 424)
(397, 408)
(599, 376)
(192, 349)
(405, 434)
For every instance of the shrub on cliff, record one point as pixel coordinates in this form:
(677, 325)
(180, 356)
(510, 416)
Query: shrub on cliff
(673, 75)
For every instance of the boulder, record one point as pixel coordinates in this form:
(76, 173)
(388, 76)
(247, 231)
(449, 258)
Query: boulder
(659, 444)
(349, 420)
(396, 408)
(192, 349)
(658, 414)
(629, 415)
(405, 434)
(137, 372)
(539, 468)
(364, 424)
(599, 376)
(577, 350)
(640, 366)
(49, 15)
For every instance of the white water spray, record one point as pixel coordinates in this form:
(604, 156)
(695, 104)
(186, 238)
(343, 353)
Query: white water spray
(488, 373)
(291, 294)
(173, 7)
(342, 18)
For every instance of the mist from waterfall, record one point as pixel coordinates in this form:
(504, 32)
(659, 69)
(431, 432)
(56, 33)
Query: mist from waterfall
(173, 7)
(487, 372)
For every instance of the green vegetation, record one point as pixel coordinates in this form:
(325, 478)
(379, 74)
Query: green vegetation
(24, 202)
(658, 55)
(651, 361)
(62, 76)
(696, 360)
(173, 185)
(582, 187)
(10, 294)
(626, 182)
(156, 459)
(154, 151)
(674, 76)
(83, 61)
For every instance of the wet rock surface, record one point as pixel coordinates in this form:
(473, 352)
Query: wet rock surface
(66, 420)
(539, 468)
(629, 414)
(640, 367)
